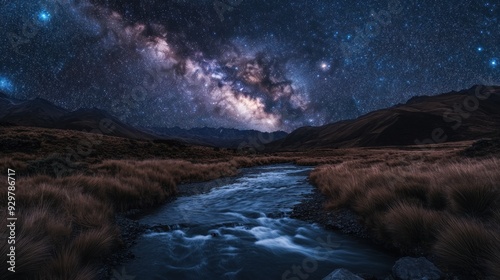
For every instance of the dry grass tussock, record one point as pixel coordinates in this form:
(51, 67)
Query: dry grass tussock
(66, 224)
(64, 221)
(448, 207)
(13, 163)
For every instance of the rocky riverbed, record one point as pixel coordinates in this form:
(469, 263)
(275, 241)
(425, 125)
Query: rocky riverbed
(312, 209)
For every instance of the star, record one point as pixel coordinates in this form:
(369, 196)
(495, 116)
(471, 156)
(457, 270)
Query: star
(44, 16)
(324, 66)
(494, 62)
(6, 84)
(185, 68)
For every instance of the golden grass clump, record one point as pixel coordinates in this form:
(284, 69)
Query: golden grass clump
(410, 225)
(95, 242)
(9, 162)
(67, 223)
(493, 267)
(465, 244)
(374, 201)
(477, 200)
(67, 264)
(407, 205)
(33, 248)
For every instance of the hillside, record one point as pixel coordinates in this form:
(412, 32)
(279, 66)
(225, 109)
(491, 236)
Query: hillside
(455, 116)
(41, 113)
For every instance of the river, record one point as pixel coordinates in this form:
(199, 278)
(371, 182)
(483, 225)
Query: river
(242, 230)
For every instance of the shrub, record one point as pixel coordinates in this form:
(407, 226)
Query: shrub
(15, 164)
(376, 178)
(88, 212)
(32, 251)
(42, 195)
(42, 221)
(475, 200)
(464, 244)
(412, 192)
(92, 244)
(437, 198)
(493, 264)
(410, 225)
(375, 201)
(496, 217)
(111, 189)
(406, 204)
(68, 265)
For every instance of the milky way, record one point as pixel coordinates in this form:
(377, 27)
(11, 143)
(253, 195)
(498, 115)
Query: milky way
(248, 64)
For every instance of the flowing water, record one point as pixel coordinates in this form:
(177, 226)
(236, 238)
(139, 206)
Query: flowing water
(241, 230)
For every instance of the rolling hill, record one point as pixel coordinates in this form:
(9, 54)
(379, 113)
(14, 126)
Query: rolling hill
(39, 112)
(455, 116)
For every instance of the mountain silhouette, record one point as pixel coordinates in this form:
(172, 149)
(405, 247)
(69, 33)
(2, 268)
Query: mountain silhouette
(455, 116)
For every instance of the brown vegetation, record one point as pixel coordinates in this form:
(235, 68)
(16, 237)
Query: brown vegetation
(447, 206)
(465, 244)
(409, 196)
(66, 224)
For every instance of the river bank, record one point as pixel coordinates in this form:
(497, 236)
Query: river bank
(131, 229)
(310, 209)
(445, 209)
(249, 213)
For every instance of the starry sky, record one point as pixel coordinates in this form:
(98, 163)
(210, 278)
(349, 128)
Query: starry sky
(246, 64)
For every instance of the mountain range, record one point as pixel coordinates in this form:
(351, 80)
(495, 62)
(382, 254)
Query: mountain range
(455, 116)
(218, 137)
(39, 112)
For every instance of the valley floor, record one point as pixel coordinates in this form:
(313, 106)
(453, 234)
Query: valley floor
(441, 201)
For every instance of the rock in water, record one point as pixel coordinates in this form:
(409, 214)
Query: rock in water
(342, 274)
(408, 268)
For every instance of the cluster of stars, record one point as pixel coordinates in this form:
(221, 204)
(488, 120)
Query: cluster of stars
(269, 65)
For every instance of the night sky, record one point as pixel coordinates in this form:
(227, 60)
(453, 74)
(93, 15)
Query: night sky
(247, 64)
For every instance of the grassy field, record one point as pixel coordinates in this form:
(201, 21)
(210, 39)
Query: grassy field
(431, 201)
(65, 222)
(437, 204)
